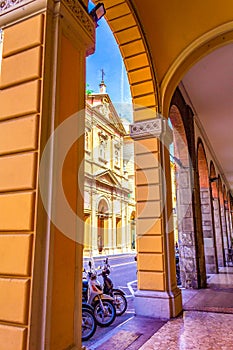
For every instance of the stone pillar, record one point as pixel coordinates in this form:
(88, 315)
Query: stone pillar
(208, 231)
(228, 222)
(123, 226)
(218, 232)
(186, 231)
(224, 226)
(157, 294)
(42, 84)
(110, 235)
(94, 222)
(114, 232)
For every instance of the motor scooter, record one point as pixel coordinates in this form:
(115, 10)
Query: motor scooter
(103, 305)
(88, 321)
(118, 295)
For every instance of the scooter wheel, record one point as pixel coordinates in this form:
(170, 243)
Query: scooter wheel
(120, 303)
(88, 324)
(106, 315)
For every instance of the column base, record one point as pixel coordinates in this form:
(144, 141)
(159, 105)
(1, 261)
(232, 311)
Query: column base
(162, 305)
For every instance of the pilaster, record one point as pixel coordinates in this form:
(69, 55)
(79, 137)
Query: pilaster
(42, 84)
(157, 295)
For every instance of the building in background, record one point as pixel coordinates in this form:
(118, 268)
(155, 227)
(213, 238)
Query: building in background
(109, 195)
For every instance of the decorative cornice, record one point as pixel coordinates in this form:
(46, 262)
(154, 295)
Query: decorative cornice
(8, 5)
(157, 128)
(81, 15)
(146, 129)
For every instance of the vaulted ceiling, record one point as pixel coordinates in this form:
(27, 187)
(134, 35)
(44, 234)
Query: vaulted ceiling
(209, 85)
(196, 36)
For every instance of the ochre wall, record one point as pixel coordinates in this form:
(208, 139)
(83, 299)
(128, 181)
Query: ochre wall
(63, 289)
(20, 96)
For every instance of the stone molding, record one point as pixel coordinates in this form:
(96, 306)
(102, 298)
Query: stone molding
(74, 7)
(81, 15)
(8, 5)
(157, 128)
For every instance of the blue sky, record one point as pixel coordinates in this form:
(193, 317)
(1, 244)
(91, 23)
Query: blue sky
(107, 56)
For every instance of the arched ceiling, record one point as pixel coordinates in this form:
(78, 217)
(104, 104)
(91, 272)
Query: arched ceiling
(209, 86)
(164, 42)
(194, 39)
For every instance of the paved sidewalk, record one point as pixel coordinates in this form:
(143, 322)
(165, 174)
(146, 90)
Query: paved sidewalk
(130, 335)
(206, 323)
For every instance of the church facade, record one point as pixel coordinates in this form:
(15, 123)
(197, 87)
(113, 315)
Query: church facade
(109, 205)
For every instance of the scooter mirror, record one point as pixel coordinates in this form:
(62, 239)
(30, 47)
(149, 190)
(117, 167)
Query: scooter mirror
(89, 263)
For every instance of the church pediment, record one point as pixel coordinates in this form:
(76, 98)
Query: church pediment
(107, 177)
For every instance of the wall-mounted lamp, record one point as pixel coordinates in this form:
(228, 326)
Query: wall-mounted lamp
(97, 12)
(213, 179)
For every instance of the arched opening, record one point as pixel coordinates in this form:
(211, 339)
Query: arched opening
(206, 211)
(102, 225)
(216, 214)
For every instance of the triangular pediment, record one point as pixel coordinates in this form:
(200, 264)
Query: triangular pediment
(108, 178)
(102, 104)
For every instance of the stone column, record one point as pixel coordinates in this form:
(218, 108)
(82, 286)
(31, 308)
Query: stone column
(224, 226)
(208, 231)
(94, 222)
(42, 84)
(228, 222)
(218, 232)
(157, 294)
(123, 226)
(186, 231)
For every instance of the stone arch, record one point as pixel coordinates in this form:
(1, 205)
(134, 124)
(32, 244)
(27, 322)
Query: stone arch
(102, 205)
(199, 48)
(206, 210)
(126, 29)
(214, 184)
(213, 180)
(184, 207)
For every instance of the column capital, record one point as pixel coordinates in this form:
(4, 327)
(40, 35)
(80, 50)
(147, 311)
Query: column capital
(157, 127)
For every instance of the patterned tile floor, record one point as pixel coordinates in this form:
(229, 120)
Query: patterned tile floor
(194, 330)
(199, 329)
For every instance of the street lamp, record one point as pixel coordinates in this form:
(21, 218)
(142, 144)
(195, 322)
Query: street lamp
(97, 12)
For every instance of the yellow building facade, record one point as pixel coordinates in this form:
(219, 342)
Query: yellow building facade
(109, 194)
(44, 44)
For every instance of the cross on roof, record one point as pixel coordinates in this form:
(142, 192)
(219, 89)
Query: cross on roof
(103, 74)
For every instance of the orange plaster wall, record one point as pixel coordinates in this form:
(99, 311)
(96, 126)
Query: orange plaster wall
(20, 84)
(63, 294)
